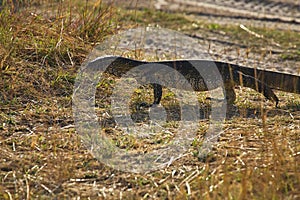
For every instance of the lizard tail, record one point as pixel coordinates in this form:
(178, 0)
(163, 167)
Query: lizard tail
(275, 80)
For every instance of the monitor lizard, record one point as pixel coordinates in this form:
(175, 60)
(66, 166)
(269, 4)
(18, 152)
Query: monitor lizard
(263, 81)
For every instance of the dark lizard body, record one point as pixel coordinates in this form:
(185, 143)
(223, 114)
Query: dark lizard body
(262, 81)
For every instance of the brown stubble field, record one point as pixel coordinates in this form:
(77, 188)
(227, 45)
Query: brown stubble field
(42, 157)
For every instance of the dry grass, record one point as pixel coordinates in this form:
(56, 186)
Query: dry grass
(42, 157)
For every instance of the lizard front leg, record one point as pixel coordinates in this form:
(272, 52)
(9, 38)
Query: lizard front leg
(157, 90)
(259, 86)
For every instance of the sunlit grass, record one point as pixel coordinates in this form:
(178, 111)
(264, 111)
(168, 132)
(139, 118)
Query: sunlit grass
(42, 156)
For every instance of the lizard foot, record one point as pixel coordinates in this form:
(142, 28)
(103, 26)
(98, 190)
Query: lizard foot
(143, 105)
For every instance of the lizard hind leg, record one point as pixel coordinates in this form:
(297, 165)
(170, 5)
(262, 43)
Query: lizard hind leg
(230, 95)
(259, 86)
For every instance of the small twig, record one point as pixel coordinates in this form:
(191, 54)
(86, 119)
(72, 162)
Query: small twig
(190, 177)
(61, 35)
(14, 146)
(82, 180)
(70, 57)
(5, 58)
(27, 188)
(188, 188)
(163, 180)
(251, 32)
(46, 188)
(256, 34)
(242, 148)
(9, 194)
(68, 126)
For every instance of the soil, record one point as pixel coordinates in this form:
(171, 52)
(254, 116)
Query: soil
(257, 155)
(274, 14)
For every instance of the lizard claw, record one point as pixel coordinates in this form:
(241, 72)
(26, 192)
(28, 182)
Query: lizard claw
(143, 105)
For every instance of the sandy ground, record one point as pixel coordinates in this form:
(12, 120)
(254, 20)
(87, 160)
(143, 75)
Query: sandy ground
(275, 14)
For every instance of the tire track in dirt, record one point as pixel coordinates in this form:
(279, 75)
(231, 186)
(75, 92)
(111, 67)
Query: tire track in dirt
(267, 9)
(282, 14)
(278, 14)
(220, 46)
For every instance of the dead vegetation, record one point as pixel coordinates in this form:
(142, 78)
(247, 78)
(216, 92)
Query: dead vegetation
(42, 157)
